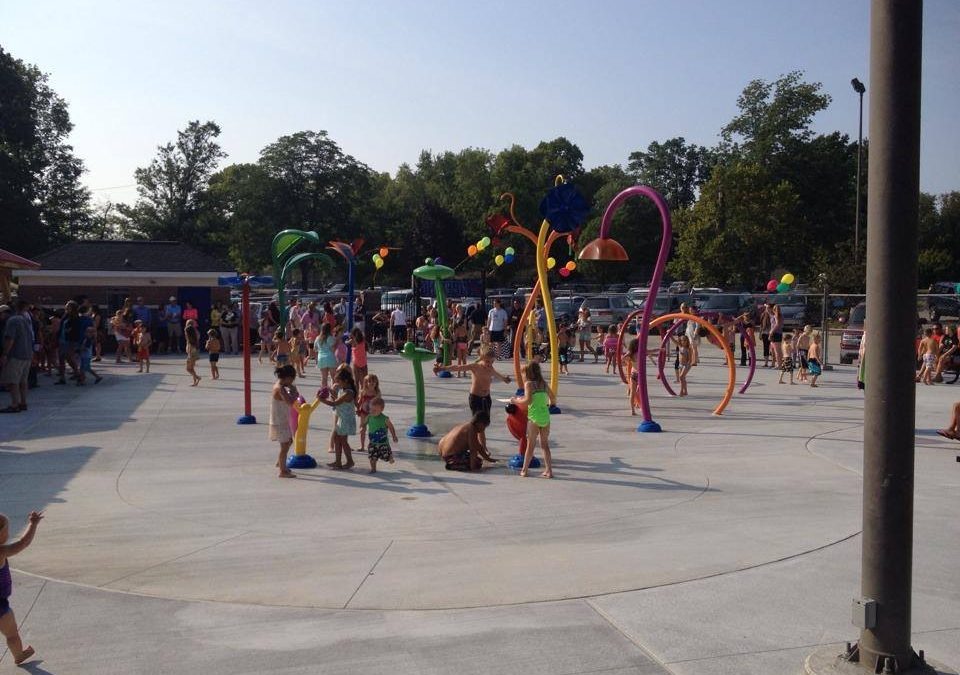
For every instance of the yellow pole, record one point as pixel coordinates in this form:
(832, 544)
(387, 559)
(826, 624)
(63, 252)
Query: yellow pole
(548, 305)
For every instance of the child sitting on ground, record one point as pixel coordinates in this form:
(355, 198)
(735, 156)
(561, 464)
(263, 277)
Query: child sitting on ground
(8, 623)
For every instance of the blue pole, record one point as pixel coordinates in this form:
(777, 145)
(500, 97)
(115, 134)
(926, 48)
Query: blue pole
(349, 306)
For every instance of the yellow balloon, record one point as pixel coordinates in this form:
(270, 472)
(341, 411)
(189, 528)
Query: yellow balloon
(551, 263)
(788, 278)
(571, 265)
(481, 245)
(498, 260)
(378, 263)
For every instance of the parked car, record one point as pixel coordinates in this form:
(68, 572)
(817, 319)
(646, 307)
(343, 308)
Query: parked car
(616, 288)
(608, 308)
(678, 287)
(794, 310)
(852, 334)
(726, 305)
(939, 306)
(665, 303)
(565, 309)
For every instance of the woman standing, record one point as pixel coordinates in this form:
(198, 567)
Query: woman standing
(585, 332)
(98, 325)
(776, 335)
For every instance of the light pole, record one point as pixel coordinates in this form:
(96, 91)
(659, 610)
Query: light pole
(861, 90)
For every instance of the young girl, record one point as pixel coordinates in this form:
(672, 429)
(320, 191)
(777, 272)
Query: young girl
(192, 336)
(213, 348)
(377, 424)
(630, 370)
(610, 349)
(803, 348)
(8, 623)
(341, 347)
(683, 361)
(786, 361)
(813, 359)
(310, 334)
(326, 358)
(538, 398)
(358, 345)
(143, 344)
(266, 338)
(121, 331)
(436, 341)
(369, 390)
(460, 343)
(297, 351)
(285, 394)
(345, 417)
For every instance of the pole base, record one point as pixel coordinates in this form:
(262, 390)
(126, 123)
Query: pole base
(555, 410)
(649, 427)
(246, 419)
(301, 462)
(516, 462)
(419, 431)
(521, 392)
(444, 373)
(830, 660)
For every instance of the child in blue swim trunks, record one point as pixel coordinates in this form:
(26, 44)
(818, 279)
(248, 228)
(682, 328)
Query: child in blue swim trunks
(537, 397)
(8, 623)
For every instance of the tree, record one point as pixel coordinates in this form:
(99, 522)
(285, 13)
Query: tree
(673, 168)
(42, 202)
(171, 189)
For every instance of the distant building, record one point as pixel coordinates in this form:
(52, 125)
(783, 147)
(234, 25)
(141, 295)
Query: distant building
(10, 263)
(108, 271)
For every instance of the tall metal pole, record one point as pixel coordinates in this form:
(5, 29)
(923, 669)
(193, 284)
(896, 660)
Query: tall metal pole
(856, 225)
(247, 417)
(888, 447)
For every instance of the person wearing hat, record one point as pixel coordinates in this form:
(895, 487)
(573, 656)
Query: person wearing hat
(173, 316)
(17, 355)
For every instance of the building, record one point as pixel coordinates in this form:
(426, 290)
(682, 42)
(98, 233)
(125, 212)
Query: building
(9, 264)
(107, 272)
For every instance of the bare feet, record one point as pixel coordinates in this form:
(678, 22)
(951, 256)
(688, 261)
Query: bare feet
(523, 474)
(947, 433)
(27, 653)
(286, 473)
(547, 474)
(335, 465)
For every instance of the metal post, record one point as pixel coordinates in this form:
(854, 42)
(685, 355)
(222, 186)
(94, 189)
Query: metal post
(824, 328)
(888, 447)
(856, 224)
(247, 417)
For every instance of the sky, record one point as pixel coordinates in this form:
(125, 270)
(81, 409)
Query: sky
(387, 79)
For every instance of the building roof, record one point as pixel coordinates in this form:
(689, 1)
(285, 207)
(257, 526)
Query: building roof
(131, 256)
(12, 261)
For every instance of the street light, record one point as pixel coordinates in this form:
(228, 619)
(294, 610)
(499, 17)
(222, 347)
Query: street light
(861, 90)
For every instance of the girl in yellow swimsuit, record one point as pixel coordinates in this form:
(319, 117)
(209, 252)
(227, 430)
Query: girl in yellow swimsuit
(537, 397)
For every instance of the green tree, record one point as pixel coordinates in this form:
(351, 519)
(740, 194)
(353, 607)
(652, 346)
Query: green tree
(673, 168)
(42, 202)
(171, 190)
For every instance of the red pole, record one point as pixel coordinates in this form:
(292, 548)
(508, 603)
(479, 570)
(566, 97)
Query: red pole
(247, 417)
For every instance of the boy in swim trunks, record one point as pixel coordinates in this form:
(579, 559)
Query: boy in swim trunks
(462, 448)
(929, 352)
(482, 373)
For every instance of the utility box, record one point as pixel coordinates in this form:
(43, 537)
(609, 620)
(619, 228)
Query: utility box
(864, 613)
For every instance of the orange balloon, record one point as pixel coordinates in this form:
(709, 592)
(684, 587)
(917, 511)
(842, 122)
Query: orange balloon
(472, 250)
(384, 251)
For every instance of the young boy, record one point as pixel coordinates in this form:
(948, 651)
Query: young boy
(8, 623)
(482, 373)
(786, 363)
(213, 348)
(142, 341)
(463, 447)
(929, 352)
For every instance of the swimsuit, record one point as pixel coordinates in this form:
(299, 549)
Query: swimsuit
(379, 447)
(813, 366)
(325, 355)
(539, 410)
(346, 416)
(929, 359)
(6, 587)
(480, 403)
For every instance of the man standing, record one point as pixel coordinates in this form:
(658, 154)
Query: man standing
(141, 312)
(17, 356)
(173, 315)
(229, 321)
(497, 324)
(516, 312)
(398, 326)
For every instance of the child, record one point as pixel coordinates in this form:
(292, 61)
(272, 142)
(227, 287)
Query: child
(683, 361)
(803, 349)
(326, 358)
(436, 342)
(358, 345)
(564, 340)
(629, 370)
(281, 348)
(143, 344)
(460, 343)
(537, 397)
(310, 334)
(813, 359)
(8, 623)
(341, 350)
(929, 352)
(369, 390)
(377, 424)
(296, 351)
(266, 339)
(285, 394)
(610, 349)
(786, 362)
(345, 418)
(192, 337)
(87, 345)
(213, 347)
(481, 373)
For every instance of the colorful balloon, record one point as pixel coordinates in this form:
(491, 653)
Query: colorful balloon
(508, 258)
(783, 288)
(384, 251)
(378, 263)
(564, 272)
(481, 245)
(551, 263)
(788, 279)
(472, 250)
(499, 260)
(571, 265)
(486, 241)
(428, 261)
(376, 257)
(772, 285)
(509, 250)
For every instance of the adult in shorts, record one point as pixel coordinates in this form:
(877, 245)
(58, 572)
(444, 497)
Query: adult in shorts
(398, 328)
(173, 316)
(497, 325)
(17, 355)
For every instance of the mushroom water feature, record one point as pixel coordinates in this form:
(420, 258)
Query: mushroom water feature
(416, 356)
(431, 270)
(607, 249)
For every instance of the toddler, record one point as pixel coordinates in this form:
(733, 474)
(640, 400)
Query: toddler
(8, 623)
(285, 394)
(377, 425)
(143, 344)
(786, 362)
(610, 348)
(213, 347)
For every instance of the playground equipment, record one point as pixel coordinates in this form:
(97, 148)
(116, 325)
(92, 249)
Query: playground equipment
(416, 357)
(517, 426)
(300, 413)
(284, 243)
(432, 271)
